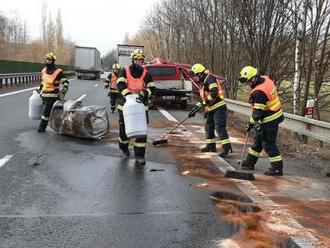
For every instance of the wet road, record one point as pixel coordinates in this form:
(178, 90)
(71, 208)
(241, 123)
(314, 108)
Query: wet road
(58, 191)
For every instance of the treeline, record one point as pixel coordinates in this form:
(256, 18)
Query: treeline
(16, 45)
(226, 35)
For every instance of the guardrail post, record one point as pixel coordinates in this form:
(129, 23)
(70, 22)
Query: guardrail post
(0, 82)
(6, 82)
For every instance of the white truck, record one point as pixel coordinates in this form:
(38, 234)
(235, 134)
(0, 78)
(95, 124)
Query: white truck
(124, 53)
(87, 62)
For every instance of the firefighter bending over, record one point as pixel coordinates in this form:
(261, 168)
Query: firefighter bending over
(134, 79)
(111, 82)
(267, 113)
(212, 98)
(52, 78)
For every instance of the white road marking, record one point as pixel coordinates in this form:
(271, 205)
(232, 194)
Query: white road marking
(166, 114)
(80, 98)
(16, 92)
(20, 91)
(5, 160)
(96, 85)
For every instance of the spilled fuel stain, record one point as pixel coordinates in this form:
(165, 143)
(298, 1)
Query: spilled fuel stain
(261, 226)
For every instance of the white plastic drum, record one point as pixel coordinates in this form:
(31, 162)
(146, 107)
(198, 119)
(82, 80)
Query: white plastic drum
(134, 117)
(35, 106)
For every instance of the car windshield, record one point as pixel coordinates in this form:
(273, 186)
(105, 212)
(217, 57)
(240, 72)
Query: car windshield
(162, 71)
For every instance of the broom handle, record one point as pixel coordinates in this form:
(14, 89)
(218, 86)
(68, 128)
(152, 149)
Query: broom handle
(243, 151)
(174, 128)
(196, 110)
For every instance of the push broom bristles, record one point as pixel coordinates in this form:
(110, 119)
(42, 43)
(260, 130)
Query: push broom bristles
(239, 175)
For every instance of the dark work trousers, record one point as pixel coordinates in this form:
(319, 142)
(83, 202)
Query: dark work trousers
(266, 138)
(139, 144)
(113, 100)
(216, 120)
(48, 103)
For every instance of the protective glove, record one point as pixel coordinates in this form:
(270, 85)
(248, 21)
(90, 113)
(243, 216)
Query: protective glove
(193, 112)
(143, 94)
(38, 91)
(249, 126)
(106, 86)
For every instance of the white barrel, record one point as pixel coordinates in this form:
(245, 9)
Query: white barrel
(135, 117)
(35, 106)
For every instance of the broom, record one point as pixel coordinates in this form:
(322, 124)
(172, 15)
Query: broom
(241, 174)
(163, 140)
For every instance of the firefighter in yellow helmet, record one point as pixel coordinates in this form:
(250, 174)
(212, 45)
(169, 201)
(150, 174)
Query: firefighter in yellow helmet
(111, 82)
(212, 98)
(134, 79)
(267, 113)
(54, 86)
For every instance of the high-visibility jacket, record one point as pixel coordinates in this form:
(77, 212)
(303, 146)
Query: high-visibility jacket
(273, 104)
(48, 81)
(214, 103)
(113, 81)
(135, 84)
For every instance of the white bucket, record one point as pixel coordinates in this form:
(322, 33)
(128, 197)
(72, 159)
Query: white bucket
(35, 106)
(135, 117)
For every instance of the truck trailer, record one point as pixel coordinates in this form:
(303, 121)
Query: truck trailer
(87, 62)
(124, 53)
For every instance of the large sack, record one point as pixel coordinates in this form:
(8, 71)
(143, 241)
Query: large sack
(71, 118)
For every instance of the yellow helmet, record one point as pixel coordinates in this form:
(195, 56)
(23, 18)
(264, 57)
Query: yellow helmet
(116, 66)
(50, 56)
(137, 54)
(247, 73)
(197, 69)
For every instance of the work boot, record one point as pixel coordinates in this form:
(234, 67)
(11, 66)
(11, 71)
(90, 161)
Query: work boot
(274, 172)
(249, 162)
(226, 149)
(124, 149)
(209, 148)
(42, 126)
(140, 161)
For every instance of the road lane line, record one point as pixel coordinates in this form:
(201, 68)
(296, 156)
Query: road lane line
(96, 85)
(82, 97)
(16, 92)
(5, 159)
(257, 195)
(166, 114)
(20, 91)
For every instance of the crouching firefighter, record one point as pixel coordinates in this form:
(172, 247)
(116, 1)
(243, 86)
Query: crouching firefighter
(111, 82)
(134, 79)
(212, 99)
(267, 114)
(52, 78)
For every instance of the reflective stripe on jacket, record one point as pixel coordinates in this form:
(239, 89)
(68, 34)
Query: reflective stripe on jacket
(48, 81)
(135, 84)
(273, 104)
(268, 87)
(215, 103)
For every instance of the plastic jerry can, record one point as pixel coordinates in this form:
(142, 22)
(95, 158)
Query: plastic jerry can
(35, 106)
(135, 117)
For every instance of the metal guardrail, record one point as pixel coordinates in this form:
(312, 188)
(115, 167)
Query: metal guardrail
(11, 79)
(319, 130)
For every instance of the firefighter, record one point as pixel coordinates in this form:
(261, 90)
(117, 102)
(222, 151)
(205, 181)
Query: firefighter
(267, 115)
(212, 99)
(134, 79)
(111, 82)
(52, 78)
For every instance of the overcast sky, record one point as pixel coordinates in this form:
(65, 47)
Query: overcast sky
(98, 23)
